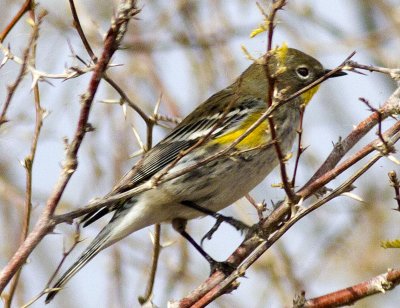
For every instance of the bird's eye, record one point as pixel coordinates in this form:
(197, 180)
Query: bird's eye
(302, 71)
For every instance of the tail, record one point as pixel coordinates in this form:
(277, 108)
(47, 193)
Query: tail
(124, 222)
(94, 248)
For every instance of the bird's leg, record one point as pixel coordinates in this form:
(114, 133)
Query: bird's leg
(179, 225)
(237, 224)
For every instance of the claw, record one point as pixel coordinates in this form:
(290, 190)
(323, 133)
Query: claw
(224, 267)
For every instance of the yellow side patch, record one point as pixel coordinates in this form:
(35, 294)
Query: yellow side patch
(256, 138)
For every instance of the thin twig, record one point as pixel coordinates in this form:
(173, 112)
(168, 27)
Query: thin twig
(379, 113)
(127, 100)
(13, 88)
(300, 148)
(26, 7)
(260, 207)
(154, 263)
(276, 6)
(393, 73)
(77, 25)
(150, 125)
(157, 227)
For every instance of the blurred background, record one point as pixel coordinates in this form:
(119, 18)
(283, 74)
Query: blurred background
(181, 52)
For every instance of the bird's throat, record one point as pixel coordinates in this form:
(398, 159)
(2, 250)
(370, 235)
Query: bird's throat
(307, 96)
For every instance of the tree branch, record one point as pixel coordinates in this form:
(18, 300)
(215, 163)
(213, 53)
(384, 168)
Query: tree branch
(348, 296)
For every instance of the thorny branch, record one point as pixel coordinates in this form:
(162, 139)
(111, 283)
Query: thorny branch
(45, 223)
(12, 88)
(37, 75)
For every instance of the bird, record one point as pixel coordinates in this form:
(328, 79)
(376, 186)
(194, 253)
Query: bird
(218, 174)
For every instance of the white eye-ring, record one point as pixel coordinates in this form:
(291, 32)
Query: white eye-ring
(303, 72)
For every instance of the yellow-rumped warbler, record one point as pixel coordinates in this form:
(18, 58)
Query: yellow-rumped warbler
(218, 122)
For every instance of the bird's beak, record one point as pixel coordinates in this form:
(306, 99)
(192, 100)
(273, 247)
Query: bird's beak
(337, 74)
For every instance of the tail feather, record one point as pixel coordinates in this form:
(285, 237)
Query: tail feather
(94, 248)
